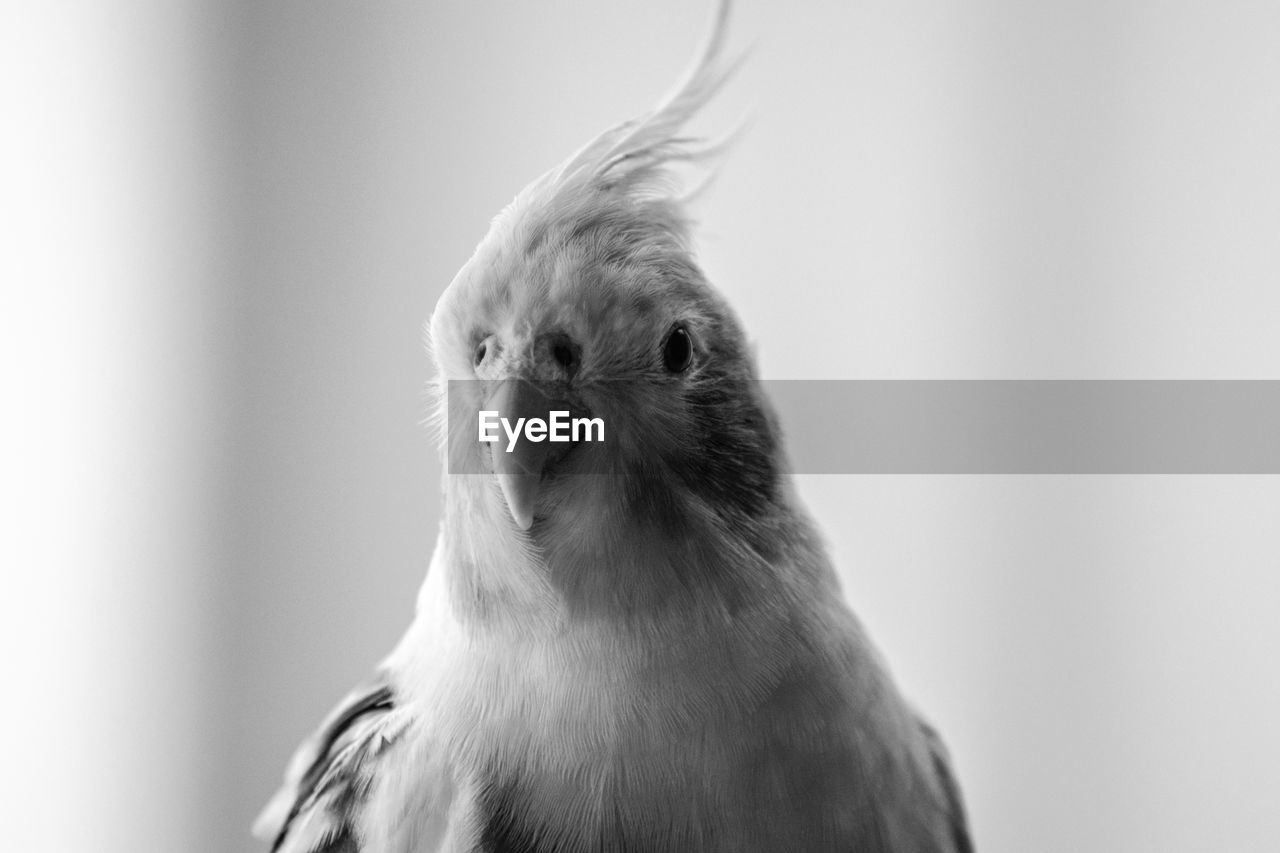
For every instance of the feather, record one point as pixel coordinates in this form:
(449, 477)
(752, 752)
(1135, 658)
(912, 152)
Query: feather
(954, 803)
(633, 161)
(317, 809)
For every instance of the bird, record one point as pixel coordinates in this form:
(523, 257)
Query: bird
(636, 643)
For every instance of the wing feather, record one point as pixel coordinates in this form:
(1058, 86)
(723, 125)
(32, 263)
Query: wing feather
(331, 774)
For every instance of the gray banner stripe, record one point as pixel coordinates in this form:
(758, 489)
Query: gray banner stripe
(996, 426)
(1030, 427)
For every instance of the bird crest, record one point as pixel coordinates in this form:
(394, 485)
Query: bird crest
(639, 164)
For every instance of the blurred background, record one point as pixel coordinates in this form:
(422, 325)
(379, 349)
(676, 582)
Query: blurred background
(225, 224)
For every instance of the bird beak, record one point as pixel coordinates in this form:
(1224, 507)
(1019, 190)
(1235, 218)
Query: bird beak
(520, 468)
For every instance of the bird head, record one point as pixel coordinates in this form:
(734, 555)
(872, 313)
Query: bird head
(585, 297)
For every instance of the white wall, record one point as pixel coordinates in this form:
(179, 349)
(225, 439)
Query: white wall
(115, 247)
(250, 211)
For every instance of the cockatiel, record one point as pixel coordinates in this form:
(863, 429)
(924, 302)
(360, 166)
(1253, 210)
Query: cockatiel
(635, 644)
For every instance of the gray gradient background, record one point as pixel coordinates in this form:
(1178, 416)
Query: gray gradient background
(226, 222)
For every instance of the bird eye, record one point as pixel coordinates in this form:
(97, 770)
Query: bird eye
(565, 353)
(482, 349)
(677, 350)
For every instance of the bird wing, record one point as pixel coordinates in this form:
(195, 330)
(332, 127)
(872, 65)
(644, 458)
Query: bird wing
(950, 788)
(329, 778)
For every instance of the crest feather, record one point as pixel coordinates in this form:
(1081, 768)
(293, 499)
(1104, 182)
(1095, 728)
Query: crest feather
(633, 159)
